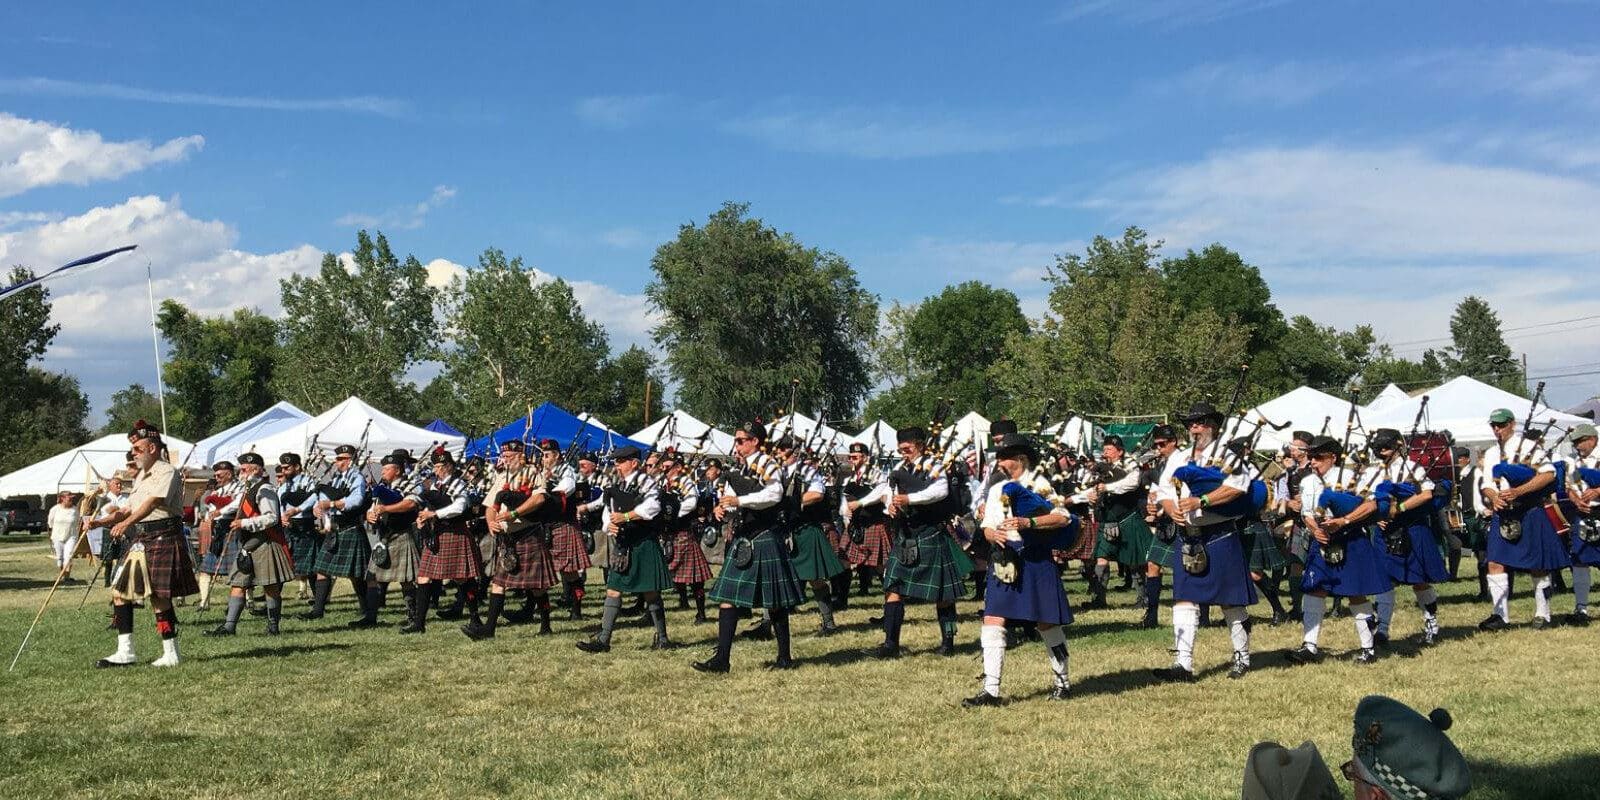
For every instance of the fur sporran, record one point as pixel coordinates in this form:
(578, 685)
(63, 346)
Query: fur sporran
(1510, 528)
(1333, 553)
(1195, 558)
(1397, 541)
(621, 557)
(1112, 531)
(1589, 531)
(1005, 565)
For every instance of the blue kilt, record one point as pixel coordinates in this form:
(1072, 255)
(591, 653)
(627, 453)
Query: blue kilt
(1226, 581)
(1038, 594)
(768, 582)
(1425, 562)
(222, 564)
(303, 543)
(1364, 572)
(1540, 547)
(1583, 553)
(936, 577)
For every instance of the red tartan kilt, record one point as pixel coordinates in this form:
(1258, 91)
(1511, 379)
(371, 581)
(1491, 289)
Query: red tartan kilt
(534, 569)
(171, 569)
(874, 548)
(458, 559)
(837, 541)
(1083, 549)
(567, 551)
(689, 564)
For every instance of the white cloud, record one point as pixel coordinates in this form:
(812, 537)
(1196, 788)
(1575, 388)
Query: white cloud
(617, 112)
(1532, 73)
(35, 154)
(1165, 13)
(895, 133)
(1255, 83)
(407, 218)
(50, 87)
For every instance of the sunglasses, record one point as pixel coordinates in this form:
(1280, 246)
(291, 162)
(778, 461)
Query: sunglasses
(741, 439)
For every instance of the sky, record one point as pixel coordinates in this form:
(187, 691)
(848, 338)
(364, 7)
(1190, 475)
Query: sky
(1377, 161)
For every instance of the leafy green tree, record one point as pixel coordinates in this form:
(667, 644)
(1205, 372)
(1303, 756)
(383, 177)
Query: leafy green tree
(516, 342)
(129, 405)
(1219, 279)
(44, 411)
(950, 341)
(1386, 368)
(746, 310)
(218, 370)
(621, 403)
(1323, 357)
(1478, 349)
(356, 331)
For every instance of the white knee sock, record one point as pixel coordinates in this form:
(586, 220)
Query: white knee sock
(1236, 616)
(1313, 608)
(1541, 598)
(1580, 589)
(1185, 622)
(1499, 595)
(1363, 614)
(1055, 644)
(1425, 598)
(1384, 603)
(993, 639)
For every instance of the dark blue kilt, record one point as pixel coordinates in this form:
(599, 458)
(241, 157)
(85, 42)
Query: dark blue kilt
(1038, 595)
(303, 544)
(1226, 581)
(1540, 547)
(1583, 553)
(1425, 562)
(1364, 572)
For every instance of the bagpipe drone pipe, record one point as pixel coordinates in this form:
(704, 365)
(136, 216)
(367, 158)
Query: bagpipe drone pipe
(1340, 503)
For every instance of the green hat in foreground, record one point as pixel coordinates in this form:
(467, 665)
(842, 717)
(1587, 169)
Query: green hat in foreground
(1501, 416)
(1274, 772)
(1581, 431)
(1406, 754)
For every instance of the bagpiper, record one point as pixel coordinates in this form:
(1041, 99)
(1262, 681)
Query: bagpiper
(392, 518)
(297, 497)
(448, 552)
(221, 504)
(571, 543)
(811, 556)
(344, 551)
(1413, 553)
(522, 507)
(631, 506)
(680, 499)
(1163, 531)
(1583, 500)
(263, 551)
(1516, 478)
(865, 522)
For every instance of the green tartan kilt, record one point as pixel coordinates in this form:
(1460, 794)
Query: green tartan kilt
(646, 572)
(964, 563)
(814, 558)
(769, 581)
(1261, 550)
(1103, 547)
(349, 560)
(936, 577)
(1136, 537)
(1160, 552)
(1476, 536)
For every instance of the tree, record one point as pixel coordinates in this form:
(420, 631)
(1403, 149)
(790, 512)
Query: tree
(1478, 349)
(129, 405)
(622, 383)
(44, 411)
(949, 342)
(516, 342)
(1323, 357)
(746, 310)
(357, 330)
(1219, 279)
(219, 370)
(890, 353)
(1386, 368)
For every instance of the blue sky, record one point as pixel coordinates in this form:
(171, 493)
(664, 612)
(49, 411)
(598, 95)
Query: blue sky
(1375, 160)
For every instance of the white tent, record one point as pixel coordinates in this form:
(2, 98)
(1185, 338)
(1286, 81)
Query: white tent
(67, 471)
(879, 437)
(1390, 395)
(681, 431)
(973, 427)
(800, 426)
(1074, 432)
(1303, 409)
(228, 444)
(344, 424)
(1462, 407)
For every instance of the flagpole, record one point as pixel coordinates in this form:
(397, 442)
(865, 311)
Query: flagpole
(155, 343)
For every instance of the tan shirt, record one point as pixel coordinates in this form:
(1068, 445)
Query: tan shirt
(160, 480)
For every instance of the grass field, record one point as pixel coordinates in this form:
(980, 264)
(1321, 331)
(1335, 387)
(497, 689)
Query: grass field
(323, 711)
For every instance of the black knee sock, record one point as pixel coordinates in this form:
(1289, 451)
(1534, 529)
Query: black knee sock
(359, 586)
(375, 593)
(274, 609)
(780, 631)
(167, 624)
(864, 575)
(683, 594)
(840, 586)
(122, 617)
(658, 617)
(1454, 562)
(409, 592)
(894, 615)
(727, 624)
(947, 622)
(700, 599)
(1152, 594)
(497, 604)
(1483, 573)
(980, 584)
(474, 597)
(543, 605)
(824, 598)
(383, 596)
(319, 595)
(1269, 590)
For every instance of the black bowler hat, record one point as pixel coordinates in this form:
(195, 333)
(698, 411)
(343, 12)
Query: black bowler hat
(1001, 427)
(1202, 412)
(625, 453)
(1385, 439)
(1011, 445)
(1325, 446)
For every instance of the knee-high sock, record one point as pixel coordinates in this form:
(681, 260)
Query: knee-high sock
(543, 606)
(1296, 594)
(683, 594)
(167, 624)
(359, 586)
(894, 614)
(274, 608)
(840, 586)
(824, 598)
(1541, 597)
(497, 604)
(1581, 581)
(375, 593)
(993, 639)
(475, 594)
(1383, 602)
(1152, 595)
(1055, 645)
(780, 631)
(658, 617)
(1363, 614)
(1500, 595)
(1269, 589)
(1185, 623)
(1238, 631)
(865, 576)
(1312, 609)
(700, 599)
(947, 622)
(608, 618)
(322, 587)
(235, 608)
(727, 624)
(1453, 562)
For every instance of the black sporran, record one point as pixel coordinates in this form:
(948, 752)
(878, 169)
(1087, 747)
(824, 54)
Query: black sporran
(1006, 565)
(1166, 532)
(588, 541)
(907, 550)
(245, 563)
(621, 557)
(1333, 553)
(1589, 531)
(742, 552)
(1112, 531)
(330, 543)
(1194, 556)
(380, 556)
(505, 557)
(858, 534)
(1397, 541)
(668, 547)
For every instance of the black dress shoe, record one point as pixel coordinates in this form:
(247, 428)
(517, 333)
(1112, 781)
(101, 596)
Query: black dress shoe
(477, 633)
(874, 620)
(220, 630)
(700, 618)
(545, 629)
(1578, 619)
(258, 611)
(308, 616)
(982, 700)
(1174, 674)
(1277, 619)
(519, 616)
(783, 664)
(711, 665)
(761, 632)
(882, 651)
(663, 644)
(272, 629)
(1540, 623)
(451, 612)
(1380, 639)
(364, 622)
(1060, 692)
(1366, 656)
(1239, 668)
(1304, 654)
(946, 648)
(593, 646)
(413, 627)
(106, 663)
(1493, 622)
(827, 630)
(575, 614)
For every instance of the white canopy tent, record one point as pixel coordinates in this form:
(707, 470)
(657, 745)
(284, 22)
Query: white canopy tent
(681, 431)
(1462, 406)
(228, 444)
(879, 437)
(70, 470)
(1304, 409)
(800, 426)
(972, 428)
(1074, 432)
(344, 424)
(1390, 395)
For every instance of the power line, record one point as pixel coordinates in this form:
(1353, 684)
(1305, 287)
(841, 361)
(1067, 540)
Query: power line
(1502, 330)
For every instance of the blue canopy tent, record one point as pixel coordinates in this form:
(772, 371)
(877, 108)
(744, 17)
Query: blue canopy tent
(440, 426)
(551, 421)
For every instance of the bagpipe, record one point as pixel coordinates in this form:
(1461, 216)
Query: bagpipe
(1520, 469)
(1580, 480)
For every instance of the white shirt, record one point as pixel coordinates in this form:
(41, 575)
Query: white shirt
(1170, 488)
(63, 521)
(1517, 449)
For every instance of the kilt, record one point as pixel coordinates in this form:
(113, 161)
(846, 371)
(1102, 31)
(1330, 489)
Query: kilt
(402, 559)
(769, 581)
(221, 564)
(1300, 543)
(1540, 547)
(1104, 548)
(1160, 552)
(303, 544)
(813, 557)
(272, 568)
(1037, 596)
(567, 552)
(936, 577)
(1083, 549)
(167, 562)
(1225, 582)
(1583, 553)
(873, 552)
(458, 558)
(1261, 552)
(837, 541)
(647, 570)
(535, 569)
(689, 564)
(1476, 536)
(1425, 562)
(1362, 574)
(350, 559)
(1136, 538)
